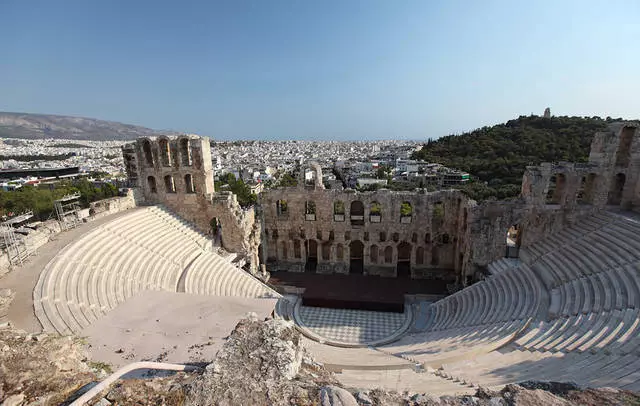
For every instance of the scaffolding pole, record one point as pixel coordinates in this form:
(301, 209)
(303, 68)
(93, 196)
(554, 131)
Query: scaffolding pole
(67, 211)
(16, 249)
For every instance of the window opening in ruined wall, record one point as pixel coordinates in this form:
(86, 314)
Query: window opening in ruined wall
(151, 181)
(617, 187)
(406, 212)
(310, 210)
(357, 213)
(148, 155)
(188, 184)
(170, 186)
(185, 151)
(165, 154)
(338, 210)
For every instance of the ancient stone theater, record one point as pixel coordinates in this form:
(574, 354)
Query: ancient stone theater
(419, 291)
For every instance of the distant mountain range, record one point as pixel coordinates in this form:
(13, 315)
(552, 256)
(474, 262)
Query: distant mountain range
(37, 126)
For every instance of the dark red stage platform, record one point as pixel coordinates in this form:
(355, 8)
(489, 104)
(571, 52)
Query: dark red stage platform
(356, 291)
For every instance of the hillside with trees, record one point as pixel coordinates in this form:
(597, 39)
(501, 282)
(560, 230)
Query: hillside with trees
(497, 156)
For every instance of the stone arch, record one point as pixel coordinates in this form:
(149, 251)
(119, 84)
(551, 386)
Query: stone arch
(169, 184)
(151, 183)
(338, 210)
(312, 255)
(340, 252)
(438, 214)
(311, 175)
(419, 256)
(375, 212)
(326, 251)
(427, 238)
(356, 257)
(623, 154)
(184, 146)
(310, 210)
(388, 255)
(188, 183)
(404, 259)
(373, 254)
(165, 152)
(284, 250)
(406, 212)
(146, 150)
(616, 189)
(282, 208)
(356, 212)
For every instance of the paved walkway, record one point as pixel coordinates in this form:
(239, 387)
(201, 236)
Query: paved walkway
(350, 326)
(23, 279)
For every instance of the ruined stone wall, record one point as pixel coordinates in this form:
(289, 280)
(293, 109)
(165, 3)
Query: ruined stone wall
(178, 173)
(433, 240)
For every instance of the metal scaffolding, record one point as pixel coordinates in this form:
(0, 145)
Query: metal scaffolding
(15, 247)
(67, 211)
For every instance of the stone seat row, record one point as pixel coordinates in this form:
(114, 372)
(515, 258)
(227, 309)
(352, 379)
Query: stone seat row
(436, 347)
(182, 225)
(510, 295)
(102, 269)
(501, 265)
(615, 288)
(612, 331)
(567, 235)
(502, 367)
(210, 274)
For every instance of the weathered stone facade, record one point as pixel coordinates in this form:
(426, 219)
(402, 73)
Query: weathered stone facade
(442, 234)
(352, 232)
(177, 172)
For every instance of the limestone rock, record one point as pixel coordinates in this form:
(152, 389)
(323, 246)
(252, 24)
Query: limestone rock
(336, 396)
(14, 400)
(255, 366)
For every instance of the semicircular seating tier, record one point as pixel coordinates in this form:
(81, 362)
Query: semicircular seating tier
(148, 249)
(568, 311)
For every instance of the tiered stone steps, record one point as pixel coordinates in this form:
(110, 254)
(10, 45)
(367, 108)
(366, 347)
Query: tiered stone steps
(148, 249)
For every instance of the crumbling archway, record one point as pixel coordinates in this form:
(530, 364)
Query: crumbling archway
(146, 149)
(356, 257)
(356, 212)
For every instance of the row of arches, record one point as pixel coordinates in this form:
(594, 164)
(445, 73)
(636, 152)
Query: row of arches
(357, 211)
(169, 184)
(403, 255)
(166, 152)
(557, 192)
(382, 236)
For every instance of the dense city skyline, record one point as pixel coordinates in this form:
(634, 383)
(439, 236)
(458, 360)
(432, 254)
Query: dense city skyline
(319, 70)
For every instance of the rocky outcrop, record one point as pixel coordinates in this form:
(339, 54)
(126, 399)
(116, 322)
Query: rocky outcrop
(262, 363)
(42, 368)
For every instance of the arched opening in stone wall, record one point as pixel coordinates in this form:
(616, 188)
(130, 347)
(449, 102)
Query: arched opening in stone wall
(375, 212)
(406, 211)
(296, 249)
(587, 189)
(165, 154)
(340, 252)
(514, 238)
(373, 254)
(261, 254)
(310, 210)
(151, 182)
(146, 149)
(388, 255)
(282, 208)
(623, 154)
(338, 210)
(169, 185)
(617, 187)
(312, 255)
(284, 250)
(383, 236)
(356, 258)
(216, 228)
(404, 260)
(555, 191)
(326, 251)
(427, 238)
(185, 151)
(420, 256)
(188, 183)
(356, 212)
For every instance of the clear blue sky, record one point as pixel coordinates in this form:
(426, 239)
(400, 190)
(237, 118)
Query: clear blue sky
(330, 69)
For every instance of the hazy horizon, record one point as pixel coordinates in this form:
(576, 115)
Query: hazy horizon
(354, 70)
